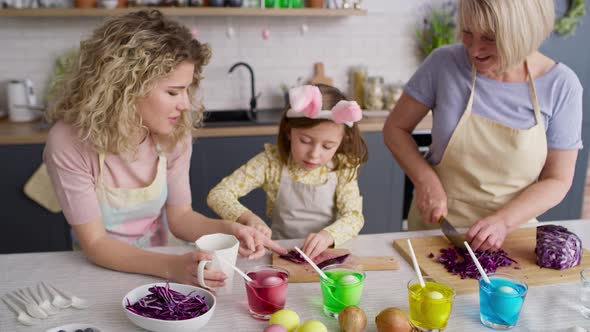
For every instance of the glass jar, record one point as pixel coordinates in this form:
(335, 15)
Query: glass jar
(358, 76)
(391, 94)
(374, 93)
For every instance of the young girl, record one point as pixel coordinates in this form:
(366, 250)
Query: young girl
(119, 150)
(310, 176)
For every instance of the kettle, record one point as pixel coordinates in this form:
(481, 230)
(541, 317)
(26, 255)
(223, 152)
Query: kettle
(22, 102)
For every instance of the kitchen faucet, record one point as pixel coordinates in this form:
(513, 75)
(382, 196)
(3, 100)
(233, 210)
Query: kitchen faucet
(253, 96)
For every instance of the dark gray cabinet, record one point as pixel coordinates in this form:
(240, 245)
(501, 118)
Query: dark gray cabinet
(26, 226)
(381, 179)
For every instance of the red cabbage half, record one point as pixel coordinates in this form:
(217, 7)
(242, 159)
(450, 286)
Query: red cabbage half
(458, 261)
(557, 248)
(167, 304)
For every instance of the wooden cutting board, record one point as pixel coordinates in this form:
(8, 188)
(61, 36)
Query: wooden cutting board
(305, 273)
(520, 245)
(319, 77)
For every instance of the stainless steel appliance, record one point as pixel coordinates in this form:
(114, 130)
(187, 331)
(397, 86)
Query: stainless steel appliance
(22, 101)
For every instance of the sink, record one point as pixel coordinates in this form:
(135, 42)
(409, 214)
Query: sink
(228, 118)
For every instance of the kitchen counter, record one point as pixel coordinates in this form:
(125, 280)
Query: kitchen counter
(547, 308)
(12, 133)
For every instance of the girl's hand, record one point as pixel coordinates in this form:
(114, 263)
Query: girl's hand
(252, 220)
(488, 233)
(183, 269)
(253, 242)
(431, 201)
(316, 243)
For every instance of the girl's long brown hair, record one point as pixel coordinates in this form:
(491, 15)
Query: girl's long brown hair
(353, 144)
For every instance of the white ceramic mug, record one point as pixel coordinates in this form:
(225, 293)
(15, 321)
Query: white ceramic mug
(220, 245)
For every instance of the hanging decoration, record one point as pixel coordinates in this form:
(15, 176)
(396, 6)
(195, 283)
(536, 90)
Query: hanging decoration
(265, 34)
(566, 25)
(304, 29)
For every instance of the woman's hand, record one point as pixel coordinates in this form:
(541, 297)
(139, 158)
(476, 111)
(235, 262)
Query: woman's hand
(253, 242)
(183, 269)
(431, 201)
(252, 220)
(487, 234)
(316, 243)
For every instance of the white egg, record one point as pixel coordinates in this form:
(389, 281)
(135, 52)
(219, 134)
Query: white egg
(349, 279)
(507, 290)
(435, 295)
(271, 281)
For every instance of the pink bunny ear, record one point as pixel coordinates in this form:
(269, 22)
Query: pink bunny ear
(346, 112)
(306, 99)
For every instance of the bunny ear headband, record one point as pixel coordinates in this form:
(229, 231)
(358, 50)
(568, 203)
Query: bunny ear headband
(306, 101)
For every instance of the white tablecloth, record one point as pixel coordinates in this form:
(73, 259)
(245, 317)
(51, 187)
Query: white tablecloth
(546, 308)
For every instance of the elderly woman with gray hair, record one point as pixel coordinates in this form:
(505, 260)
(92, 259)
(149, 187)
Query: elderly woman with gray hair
(506, 124)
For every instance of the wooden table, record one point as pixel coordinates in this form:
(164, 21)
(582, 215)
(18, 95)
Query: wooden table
(547, 308)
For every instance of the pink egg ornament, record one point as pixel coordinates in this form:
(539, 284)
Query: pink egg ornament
(275, 328)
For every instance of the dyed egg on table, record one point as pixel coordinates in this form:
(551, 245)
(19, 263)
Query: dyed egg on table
(275, 328)
(289, 319)
(312, 326)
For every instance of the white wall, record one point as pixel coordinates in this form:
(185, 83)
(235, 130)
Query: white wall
(382, 40)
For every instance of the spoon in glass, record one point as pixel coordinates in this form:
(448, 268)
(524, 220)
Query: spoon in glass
(22, 317)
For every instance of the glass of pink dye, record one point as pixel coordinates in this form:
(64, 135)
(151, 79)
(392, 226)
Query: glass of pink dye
(267, 292)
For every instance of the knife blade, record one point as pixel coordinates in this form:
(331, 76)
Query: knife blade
(451, 233)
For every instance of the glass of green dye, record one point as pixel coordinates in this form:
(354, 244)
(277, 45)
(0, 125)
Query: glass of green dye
(343, 288)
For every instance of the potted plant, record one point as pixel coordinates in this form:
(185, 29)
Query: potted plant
(437, 27)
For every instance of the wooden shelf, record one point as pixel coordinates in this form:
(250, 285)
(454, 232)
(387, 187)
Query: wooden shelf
(181, 11)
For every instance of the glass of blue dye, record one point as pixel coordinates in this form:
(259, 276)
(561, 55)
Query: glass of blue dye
(500, 302)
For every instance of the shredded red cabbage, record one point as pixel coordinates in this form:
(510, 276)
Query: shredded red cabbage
(557, 248)
(458, 261)
(324, 260)
(167, 304)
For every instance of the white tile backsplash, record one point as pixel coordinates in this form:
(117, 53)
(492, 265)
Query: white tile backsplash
(382, 40)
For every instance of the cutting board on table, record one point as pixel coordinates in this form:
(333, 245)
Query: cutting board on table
(305, 273)
(519, 245)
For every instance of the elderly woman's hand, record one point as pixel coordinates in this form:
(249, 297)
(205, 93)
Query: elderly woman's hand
(431, 200)
(488, 233)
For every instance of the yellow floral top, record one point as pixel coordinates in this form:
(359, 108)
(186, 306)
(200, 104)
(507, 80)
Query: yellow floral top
(264, 170)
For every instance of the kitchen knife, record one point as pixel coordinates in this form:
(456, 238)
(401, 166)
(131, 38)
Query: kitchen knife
(451, 233)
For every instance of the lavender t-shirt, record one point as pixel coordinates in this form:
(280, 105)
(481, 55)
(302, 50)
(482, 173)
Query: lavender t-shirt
(443, 83)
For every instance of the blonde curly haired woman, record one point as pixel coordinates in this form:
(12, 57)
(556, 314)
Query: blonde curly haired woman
(506, 124)
(119, 151)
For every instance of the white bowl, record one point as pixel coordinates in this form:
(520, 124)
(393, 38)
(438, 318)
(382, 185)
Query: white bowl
(159, 325)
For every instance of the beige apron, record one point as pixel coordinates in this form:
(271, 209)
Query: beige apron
(131, 214)
(301, 208)
(487, 164)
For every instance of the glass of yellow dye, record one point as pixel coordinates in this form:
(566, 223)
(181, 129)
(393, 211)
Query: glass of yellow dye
(430, 306)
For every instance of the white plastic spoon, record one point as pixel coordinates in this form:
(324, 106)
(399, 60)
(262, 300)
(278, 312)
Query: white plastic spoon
(58, 300)
(31, 308)
(43, 304)
(315, 267)
(45, 297)
(77, 302)
(240, 272)
(416, 266)
(481, 270)
(22, 317)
